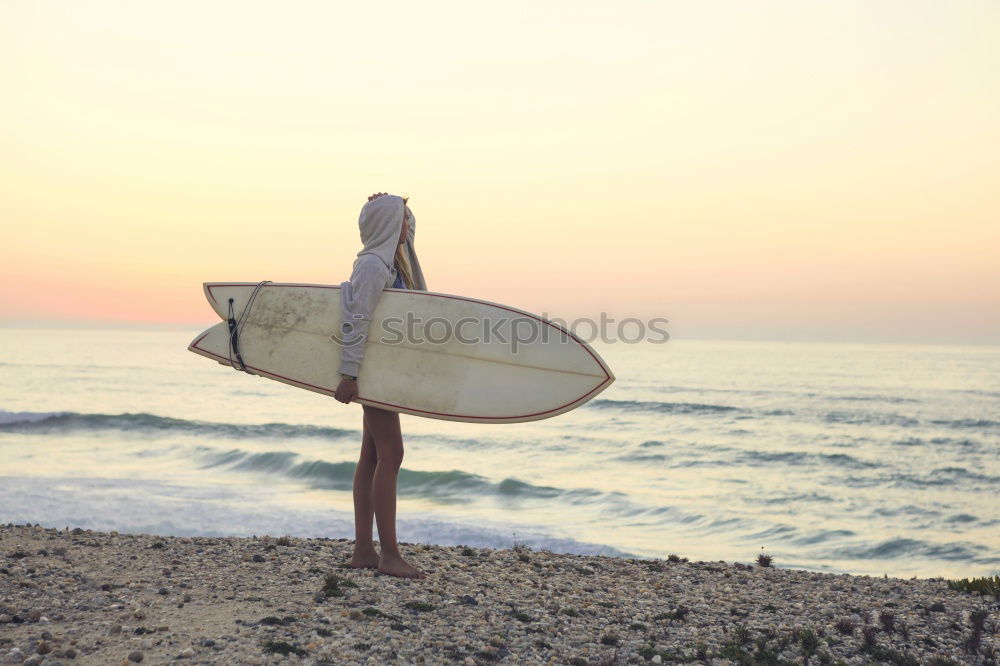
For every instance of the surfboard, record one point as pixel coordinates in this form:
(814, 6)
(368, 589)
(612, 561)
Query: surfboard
(419, 356)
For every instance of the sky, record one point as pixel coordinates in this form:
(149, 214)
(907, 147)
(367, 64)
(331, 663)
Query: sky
(788, 170)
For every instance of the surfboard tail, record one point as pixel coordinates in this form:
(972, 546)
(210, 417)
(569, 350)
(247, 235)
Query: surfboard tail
(211, 339)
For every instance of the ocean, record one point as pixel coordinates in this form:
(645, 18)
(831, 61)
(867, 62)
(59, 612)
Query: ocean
(854, 458)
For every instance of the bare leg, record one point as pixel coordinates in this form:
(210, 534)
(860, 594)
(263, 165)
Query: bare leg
(384, 426)
(365, 555)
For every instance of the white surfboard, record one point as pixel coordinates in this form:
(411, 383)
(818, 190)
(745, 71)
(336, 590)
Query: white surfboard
(419, 359)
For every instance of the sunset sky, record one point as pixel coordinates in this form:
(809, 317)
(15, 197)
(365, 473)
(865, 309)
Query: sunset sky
(777, 169)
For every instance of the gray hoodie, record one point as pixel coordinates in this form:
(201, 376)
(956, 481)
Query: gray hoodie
(380, 222)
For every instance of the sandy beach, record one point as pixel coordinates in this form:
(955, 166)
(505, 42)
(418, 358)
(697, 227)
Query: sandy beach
(78, 596)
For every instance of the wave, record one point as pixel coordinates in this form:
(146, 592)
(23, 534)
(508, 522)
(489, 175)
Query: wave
(870, 418)
(643, 457)
(57, 422)
(779, 531)
(938, 441)
(966, 423)
(946, 476)
(821, 536)
(445, 487)
(755, 458)
(942, 477)
(171, 509)
(790, 498)
(888, 419)
(26, 417)
(340, 476)
(802, 458)
(871, 398)
(887, 549)
(901, 546)
(836, 544)
(846, 417)
(661, 407)
(907, 510)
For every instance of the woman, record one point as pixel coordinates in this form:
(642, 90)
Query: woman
(386, 260)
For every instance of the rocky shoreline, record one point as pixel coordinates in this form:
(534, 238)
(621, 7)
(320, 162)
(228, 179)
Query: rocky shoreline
(75, 596)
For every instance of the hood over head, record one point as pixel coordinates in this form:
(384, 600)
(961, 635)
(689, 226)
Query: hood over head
(380, 222)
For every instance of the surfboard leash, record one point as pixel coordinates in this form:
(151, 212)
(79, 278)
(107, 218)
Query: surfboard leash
(236, 328)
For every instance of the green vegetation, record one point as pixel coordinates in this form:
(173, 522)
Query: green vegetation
(984, 585)
(333, 583)
(888, 621)
(809, 642)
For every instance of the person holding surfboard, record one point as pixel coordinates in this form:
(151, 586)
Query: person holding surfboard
(388, 259)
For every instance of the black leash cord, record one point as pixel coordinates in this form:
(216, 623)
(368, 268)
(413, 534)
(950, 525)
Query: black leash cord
(236, 328)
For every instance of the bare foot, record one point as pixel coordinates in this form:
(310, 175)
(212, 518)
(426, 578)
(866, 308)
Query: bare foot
(365, 559)
(396, 566)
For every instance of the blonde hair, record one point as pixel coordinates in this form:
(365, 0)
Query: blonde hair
(402, 262)
(403, 266)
